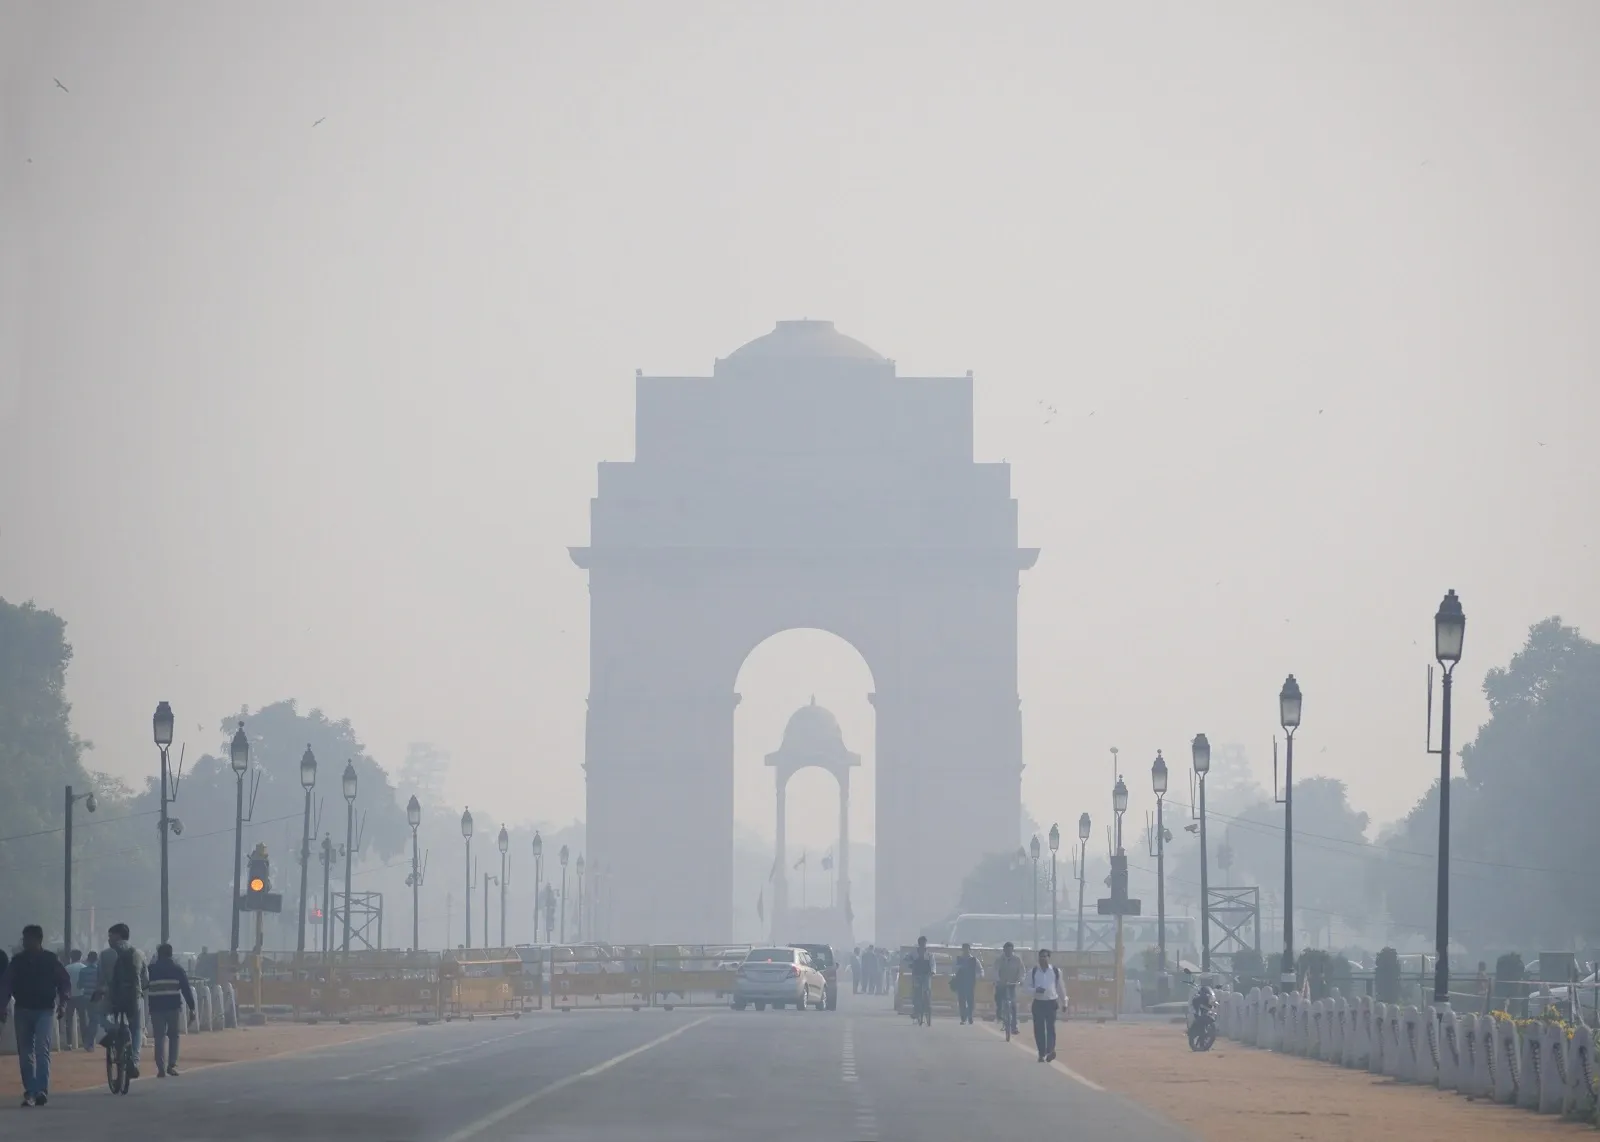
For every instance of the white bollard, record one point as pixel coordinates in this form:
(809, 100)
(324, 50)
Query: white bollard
(1449, 1075)
(1553, 1070)
(219, 1006)
(1506, 1062)
(1529, 1064)
(1581, 1076)
(231, 1006)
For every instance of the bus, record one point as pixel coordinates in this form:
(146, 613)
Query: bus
(992, 929)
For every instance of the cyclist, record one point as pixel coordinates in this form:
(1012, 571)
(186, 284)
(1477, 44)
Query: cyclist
(123, 983)
(1007, 974)
(920, 962)
(964, 981)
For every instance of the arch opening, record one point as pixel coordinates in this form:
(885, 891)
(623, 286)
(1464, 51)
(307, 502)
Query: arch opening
(804, 718)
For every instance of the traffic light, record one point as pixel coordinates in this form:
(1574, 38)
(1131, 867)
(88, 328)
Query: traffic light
(260, 880)
(258, 895)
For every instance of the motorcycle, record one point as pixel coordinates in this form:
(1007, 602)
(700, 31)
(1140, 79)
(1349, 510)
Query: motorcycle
(1202, 1028)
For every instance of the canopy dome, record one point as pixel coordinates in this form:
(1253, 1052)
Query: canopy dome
(807, 339)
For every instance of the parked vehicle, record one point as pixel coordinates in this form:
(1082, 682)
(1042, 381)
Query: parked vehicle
(779, 976)
(823, 959)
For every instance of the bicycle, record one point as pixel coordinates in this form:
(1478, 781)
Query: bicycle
(922, 1002)
(1008, 1011)
(119, 1055)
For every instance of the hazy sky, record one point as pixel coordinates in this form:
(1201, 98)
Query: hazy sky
(316, 318)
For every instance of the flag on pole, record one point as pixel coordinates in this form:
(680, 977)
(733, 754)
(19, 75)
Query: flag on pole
(774, 871)
(801, 862)
(827, 860)
(761, 911)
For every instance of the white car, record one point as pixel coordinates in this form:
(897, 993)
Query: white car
(779, 976)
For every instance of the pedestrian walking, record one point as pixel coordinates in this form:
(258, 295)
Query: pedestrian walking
(169, 992)
(38, 981)
(82, 999)
(855, 971)
(965, 981)
(1049, 997)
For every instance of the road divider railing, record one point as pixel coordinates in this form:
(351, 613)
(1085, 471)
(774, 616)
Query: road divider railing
(694, 975)
(1544, 1065)
(490, 982)
(590, 976)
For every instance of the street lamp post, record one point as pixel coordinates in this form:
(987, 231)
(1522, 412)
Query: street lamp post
(487, 880)
(505, 846)
(580, 920)
(66, 928)
(1055, 846)
(162, 725)
(538, 879)
(1200, 751)
(563, 894)
(325, 941)
(414, 819)
(466, 835)
(1019, 863)
(1158, 783)
(1289, 718)
(549, 910)
(1119, 883)
(239, 759)
(1033, 855)
(1449, 632)
(308, 781)
(349, 783)
(1083, 861)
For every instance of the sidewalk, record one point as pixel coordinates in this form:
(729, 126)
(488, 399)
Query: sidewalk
(85, 1070)
(1235, 1093)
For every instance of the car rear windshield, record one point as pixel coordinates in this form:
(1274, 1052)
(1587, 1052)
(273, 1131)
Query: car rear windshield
(820, 956)
(771, 956)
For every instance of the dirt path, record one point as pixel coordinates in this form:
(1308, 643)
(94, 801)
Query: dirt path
(1235, 1093)
(85, 1070)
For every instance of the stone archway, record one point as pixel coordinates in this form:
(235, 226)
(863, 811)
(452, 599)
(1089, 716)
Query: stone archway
(812, 738)
(803, 484)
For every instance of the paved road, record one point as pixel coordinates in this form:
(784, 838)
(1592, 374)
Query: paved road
(859, 1074)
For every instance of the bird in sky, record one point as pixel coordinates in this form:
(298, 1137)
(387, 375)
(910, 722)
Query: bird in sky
(319, 120)
(62, 86)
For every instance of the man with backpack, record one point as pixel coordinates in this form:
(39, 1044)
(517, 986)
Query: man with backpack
(123, 982)
(1049, 997)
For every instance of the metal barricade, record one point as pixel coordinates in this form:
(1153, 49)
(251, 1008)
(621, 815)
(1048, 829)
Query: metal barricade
(599, 975)
(482, 981)
(1090, 979)
(694, 975)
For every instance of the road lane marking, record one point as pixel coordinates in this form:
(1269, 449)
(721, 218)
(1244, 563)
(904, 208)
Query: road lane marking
(494, 1118)
(1020, 1044)
(866, 1120)
(428, 1062)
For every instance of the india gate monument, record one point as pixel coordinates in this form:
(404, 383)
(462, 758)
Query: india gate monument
(804, 483)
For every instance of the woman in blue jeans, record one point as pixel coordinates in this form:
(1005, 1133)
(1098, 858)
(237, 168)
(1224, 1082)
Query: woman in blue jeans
(39, 983)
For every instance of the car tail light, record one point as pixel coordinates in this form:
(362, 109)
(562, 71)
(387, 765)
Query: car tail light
(793, 971)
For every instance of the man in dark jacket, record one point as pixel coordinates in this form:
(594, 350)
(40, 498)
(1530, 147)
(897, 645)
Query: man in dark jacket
(42, 989)
(169, 991)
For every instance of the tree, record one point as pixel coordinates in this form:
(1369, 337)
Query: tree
(39, 757)
(1522, 845)
(423, 772)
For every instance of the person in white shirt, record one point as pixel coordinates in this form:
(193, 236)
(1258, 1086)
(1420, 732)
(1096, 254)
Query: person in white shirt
(1049, 998)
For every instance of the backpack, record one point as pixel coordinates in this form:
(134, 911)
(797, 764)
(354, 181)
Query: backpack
(123, 993)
